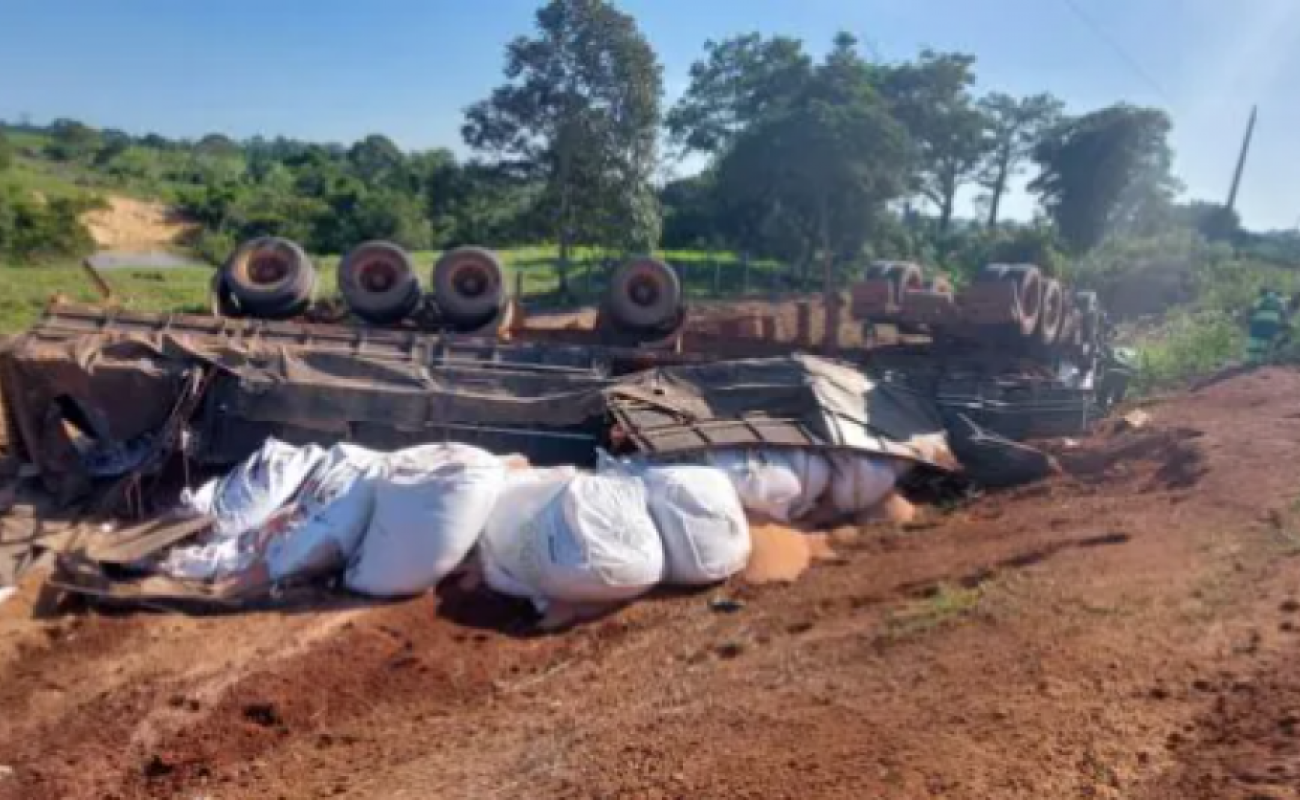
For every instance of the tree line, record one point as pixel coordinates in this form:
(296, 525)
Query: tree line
(835, 160)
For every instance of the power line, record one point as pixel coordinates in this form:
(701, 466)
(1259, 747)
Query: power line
(1119, 50)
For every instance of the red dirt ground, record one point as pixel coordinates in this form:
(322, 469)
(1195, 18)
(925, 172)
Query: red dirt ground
(1129, 629)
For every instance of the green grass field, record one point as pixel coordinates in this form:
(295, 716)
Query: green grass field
(25, 290)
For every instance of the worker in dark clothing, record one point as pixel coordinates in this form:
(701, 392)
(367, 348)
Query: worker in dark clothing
(1267, 324)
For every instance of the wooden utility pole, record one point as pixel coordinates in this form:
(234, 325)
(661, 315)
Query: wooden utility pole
(1241, 160)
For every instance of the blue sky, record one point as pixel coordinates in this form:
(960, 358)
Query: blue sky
(338, 69)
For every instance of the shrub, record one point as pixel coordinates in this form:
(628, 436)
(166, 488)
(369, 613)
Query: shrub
(212, 246)
(34, 230)
(1185, 345)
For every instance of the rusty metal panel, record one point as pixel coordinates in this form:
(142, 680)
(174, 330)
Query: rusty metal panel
(654, 431)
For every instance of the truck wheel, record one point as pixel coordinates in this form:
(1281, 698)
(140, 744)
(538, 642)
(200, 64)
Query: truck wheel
(270, 277)
(1051, 313)
(1029, 294)
(378, 282)
(469, 284)
(644, 294)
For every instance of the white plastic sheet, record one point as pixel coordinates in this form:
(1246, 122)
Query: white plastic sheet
(555, 535)
(431, 503)
(701, 521)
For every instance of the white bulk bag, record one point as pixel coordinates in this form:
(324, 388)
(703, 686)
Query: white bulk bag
(241, 502)
(506, 549)
(701, 521)
(577, 538)
(860, 482)
(330, 514)
(430, 505)
(780, 484)
(249, 494)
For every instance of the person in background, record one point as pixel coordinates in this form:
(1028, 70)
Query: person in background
(1268, 321)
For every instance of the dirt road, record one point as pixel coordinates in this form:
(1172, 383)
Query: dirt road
(135, 225)
(1130, 629)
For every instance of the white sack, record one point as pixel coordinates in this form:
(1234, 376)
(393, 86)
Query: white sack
(330, 514)
(781, 484)
(430, 506)
(241, 502)
(860, 482)
(701, 521)
(579, 538)
(249, 494)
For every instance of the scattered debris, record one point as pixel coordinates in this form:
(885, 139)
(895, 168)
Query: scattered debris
(726, 605)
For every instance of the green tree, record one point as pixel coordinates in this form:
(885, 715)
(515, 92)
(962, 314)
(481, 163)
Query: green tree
(377, 161)
(932, 98)
(156, 141)
(218, 145)
(72, 141)
(738, 82)
(1105, 171)
(356, 214)
(134, 163)
(690, 218)
(827, 162)
(1217, 223)
(580, 114)
(112, 144)
(1015, 126)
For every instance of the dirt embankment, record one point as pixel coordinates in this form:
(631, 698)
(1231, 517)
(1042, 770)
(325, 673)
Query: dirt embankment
(1129, 629)
(131, 225)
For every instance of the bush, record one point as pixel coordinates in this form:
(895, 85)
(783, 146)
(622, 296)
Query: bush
(213, 247)
(33, 230)
(1185, 345)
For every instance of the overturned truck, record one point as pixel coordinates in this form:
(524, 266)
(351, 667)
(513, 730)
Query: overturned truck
(117, 411)
(90, 389)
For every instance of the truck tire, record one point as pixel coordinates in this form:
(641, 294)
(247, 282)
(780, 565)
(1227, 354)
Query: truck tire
(270, 278)
(1029, 292)
(378, 282)
(469, 285)
(1051, 313)
(644, 294)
